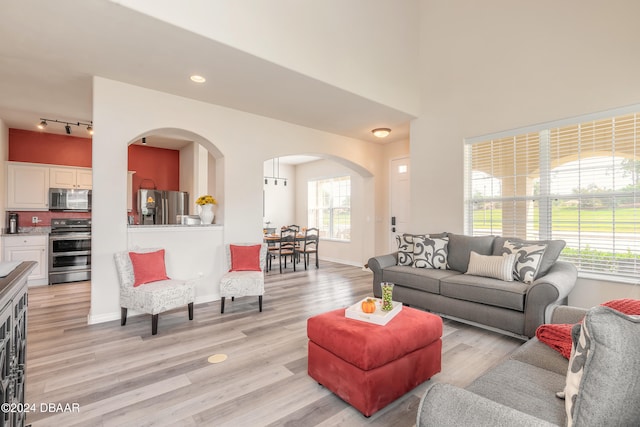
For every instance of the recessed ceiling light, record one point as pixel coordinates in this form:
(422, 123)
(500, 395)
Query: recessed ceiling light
(198, 79)
(381, 132)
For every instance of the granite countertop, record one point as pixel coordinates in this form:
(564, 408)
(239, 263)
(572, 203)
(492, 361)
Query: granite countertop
(173, 225)
(29, 231)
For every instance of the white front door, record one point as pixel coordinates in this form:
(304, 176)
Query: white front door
(399, 199)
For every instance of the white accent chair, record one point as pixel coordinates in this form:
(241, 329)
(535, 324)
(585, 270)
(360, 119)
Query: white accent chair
(243, 283)
(153, 298)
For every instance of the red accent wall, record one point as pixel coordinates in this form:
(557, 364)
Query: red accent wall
(153, 165)
(39, 147)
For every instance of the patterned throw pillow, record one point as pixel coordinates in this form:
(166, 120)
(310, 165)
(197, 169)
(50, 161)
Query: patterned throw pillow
(430, 252)
(405, 249)
(528, 259)
(579, 353)
(496, 267)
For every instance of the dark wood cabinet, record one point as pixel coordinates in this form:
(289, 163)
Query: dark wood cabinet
(13, 344)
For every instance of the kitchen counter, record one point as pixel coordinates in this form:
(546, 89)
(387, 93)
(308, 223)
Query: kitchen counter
(19, 274)
(176, 226)
(29, 231)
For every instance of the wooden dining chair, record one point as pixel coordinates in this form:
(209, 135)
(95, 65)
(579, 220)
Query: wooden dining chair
(272, 246)
(287, 247)
(310, 246)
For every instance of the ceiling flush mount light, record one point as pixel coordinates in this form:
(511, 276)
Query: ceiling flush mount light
(197, 79)
(381, 132)
(67, 125)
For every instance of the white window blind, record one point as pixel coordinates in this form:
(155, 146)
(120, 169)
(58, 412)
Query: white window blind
(329, 207)
(576, 182)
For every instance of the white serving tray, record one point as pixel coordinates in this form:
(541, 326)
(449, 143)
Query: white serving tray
(378, 317)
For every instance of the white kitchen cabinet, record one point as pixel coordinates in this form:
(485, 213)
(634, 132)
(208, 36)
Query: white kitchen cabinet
(27, 186)
(79, 178)
(29, 248)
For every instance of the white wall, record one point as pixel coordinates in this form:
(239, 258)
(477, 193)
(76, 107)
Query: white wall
(279, 200)
(351, 252)
(496, 65)
(368, 47)
(242, 142)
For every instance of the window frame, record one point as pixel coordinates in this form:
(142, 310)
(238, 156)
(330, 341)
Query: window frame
(313, 217)
(545, 198)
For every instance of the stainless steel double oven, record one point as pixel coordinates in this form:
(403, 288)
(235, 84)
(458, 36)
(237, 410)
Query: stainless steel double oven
(69, 250)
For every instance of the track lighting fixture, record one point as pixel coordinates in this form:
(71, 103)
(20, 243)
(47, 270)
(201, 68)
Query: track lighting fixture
(67, 125)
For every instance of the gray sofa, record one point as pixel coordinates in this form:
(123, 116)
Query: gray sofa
(512, 307)
(601, 388)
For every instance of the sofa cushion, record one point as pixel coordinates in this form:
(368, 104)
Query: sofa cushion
(536, 353)
(423, 279)
(523, 387)
(551, 253)
(602, 386)
(430, 252)
(484, 290)
(496, 267)
(460, 247)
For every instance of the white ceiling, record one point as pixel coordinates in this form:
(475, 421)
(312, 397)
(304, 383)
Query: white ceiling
(49, 52)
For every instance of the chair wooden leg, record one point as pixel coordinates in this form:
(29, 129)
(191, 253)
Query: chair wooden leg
(222, 305)
(317, 264)
(154, 324)
(306, 260)
(123, 316)
(260, 303)
(190, 311)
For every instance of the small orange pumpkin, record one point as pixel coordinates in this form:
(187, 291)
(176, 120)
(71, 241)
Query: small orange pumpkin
(368, 305)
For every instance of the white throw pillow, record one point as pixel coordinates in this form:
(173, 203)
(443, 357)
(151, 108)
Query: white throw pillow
(430, 252)
(496, 267)
(528, 259)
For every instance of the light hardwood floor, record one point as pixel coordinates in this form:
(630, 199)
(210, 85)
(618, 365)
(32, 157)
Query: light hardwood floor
(124, 376)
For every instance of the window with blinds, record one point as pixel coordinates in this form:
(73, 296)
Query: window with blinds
(329, 207)
(578, 182)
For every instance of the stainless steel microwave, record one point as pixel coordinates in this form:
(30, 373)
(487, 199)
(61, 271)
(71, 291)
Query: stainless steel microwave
(69, 200)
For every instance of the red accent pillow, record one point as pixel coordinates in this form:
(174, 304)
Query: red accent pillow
(245, 258)
(148, 267)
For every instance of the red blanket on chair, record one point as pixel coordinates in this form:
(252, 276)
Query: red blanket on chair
(558, 336)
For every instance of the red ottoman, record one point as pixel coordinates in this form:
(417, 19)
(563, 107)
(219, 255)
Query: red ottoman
(368, 365)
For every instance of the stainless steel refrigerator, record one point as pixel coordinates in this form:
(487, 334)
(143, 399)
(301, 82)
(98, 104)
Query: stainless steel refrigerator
(161, 206)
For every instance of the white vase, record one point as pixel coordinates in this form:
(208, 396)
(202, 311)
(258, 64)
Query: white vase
(206, 213)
